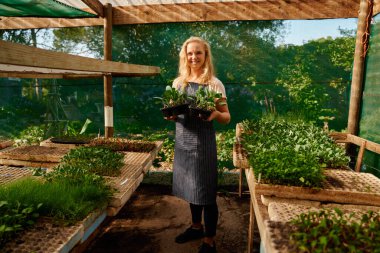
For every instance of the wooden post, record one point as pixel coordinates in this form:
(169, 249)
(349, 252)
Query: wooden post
(365, 10)
(251, 227)
(241, 181)
(108, 108)
(359, 160)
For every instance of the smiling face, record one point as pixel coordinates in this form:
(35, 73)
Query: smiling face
(196, 55)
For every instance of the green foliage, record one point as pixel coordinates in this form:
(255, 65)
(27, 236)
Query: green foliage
(334, 231)
(316, 77)
(100, 161)
(205, 99)
(290, 153)
(166, 154)
(31, 135)
(72, 129)
(172, 97)
(225, 141)
(16, 217)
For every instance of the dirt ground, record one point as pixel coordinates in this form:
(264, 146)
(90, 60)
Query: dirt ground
(152, 218)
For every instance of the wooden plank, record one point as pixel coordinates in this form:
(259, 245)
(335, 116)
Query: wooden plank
(370, 145)
(7, 70)
(17, 54)
(342, 186)
(376, 7)
(47, 76)
(126, 195)
(251, 228)
(203, 11)
(96, 6)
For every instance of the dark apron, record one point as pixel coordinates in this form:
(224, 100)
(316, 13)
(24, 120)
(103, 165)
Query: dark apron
(195, 160)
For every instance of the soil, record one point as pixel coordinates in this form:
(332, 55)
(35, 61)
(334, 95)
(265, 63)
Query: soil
(152, 218)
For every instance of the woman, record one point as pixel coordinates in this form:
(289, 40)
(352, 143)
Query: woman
(195, 160)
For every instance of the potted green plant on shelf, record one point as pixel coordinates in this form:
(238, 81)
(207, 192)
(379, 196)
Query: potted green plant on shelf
(203, 103)
(174, 102)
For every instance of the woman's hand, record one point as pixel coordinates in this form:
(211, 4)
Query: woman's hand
(171, 118)
(221, 114)
(213, 115)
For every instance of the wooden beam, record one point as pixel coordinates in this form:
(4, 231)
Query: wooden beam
(362, 38)
(17, 54)
(47, 76)
(209, 11)
(370, 145)
(376, 7)
(96, 6)
(7, 70)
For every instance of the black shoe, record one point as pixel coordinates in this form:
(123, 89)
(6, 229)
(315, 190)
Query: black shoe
(189, 235)
(206, 248)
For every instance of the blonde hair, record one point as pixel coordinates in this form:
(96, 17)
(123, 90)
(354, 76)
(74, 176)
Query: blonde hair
(184, 69)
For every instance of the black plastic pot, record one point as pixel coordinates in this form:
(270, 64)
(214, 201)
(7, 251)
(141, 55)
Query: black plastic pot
(71, 140)
(167, 112)
(175, 110)
(199, 113)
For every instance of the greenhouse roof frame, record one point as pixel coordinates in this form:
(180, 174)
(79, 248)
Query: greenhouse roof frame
(166, 11)
(120, 12)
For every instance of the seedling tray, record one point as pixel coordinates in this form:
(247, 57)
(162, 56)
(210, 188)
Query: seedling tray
(5, 143)
(341, 186)
(278, 228)
(45, 236)
(285, 212)
(34, 153)
(9, 174)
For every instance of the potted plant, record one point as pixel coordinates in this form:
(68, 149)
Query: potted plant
(174, 102)
(73, 135)
(204, 103)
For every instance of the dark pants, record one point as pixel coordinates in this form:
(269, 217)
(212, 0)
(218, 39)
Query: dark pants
(210, 217)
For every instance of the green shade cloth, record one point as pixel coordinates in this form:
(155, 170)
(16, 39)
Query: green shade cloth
(40, 8)
(370, 113)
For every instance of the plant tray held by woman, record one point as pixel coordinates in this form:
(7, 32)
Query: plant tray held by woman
(174, 102)
(203, 103)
